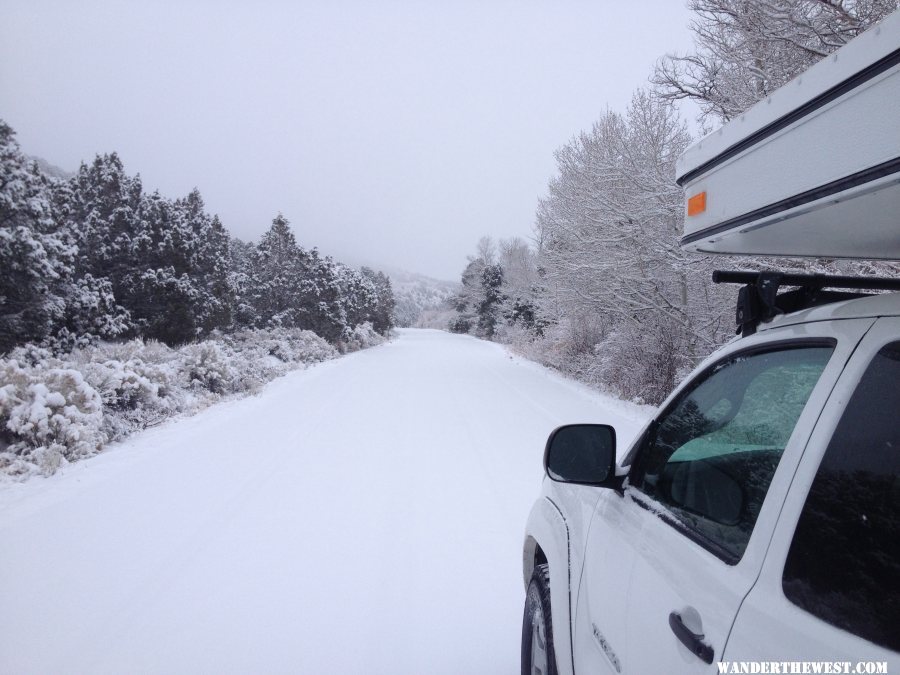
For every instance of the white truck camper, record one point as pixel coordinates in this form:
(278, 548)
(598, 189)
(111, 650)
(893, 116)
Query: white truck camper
(812, 170)
(752, 525)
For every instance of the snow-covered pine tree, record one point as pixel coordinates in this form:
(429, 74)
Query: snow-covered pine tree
(102, 210)
(471, 296)
(488, 309)
(381, 313)
(322, 305)
(278, 276)
(279, 283)
(95, 256)
(359, 294)
(241, 284)
(36, 256)
(177, 285)
(207, 260)
(154, 285)
(166, 263)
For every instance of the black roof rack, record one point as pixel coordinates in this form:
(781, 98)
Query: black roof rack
(760, 301)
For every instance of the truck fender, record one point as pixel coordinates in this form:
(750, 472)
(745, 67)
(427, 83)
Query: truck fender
(547, 534)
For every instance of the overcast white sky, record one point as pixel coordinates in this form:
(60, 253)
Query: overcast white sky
(393, 133)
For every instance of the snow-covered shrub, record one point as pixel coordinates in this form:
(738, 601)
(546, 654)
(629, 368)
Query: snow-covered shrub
(310, 348)
(160, 364)
(254, 364)
(261, 355)
(363, 336)
(32, 355)
(207, 365)
(286, 345)
(48, 415)
(63, 407)
(15, 378)
(120, 384)
(552, 349)
(129, 392)
(275, 342)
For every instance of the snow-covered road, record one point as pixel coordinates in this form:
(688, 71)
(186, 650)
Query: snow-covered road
(363, 516)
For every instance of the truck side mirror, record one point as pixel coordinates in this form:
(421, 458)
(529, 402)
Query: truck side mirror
(583, 454)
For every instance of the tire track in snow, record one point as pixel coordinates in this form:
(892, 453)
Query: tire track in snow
(377, 501)
(191, 546)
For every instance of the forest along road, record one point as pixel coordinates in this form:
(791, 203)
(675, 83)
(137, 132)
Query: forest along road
(363, 516)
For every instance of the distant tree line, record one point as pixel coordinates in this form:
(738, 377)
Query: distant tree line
(604, 292)
(97, 257)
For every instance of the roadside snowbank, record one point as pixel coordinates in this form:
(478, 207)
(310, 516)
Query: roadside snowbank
(56, 409)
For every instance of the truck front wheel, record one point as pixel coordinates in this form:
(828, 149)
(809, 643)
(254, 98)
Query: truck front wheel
(538, 657)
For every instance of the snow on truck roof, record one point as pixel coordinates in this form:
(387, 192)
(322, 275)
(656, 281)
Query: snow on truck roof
(812, 170)
(886, 304)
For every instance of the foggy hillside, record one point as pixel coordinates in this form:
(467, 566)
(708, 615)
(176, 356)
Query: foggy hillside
(416, 293)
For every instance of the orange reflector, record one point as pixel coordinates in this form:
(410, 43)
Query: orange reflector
(697, 204)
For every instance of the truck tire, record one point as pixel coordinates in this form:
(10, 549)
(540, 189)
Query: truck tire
(538, 656)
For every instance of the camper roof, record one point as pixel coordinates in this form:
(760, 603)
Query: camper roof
(812, 170)
(879, 42)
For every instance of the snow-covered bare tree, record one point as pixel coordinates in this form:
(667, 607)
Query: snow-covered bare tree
(745, 49)
(633, 307)
(478, 303)
(522, 284)
(613, 297)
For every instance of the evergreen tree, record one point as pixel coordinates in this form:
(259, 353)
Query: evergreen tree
(206, 262)
(322, 305)
(466, 302)
(35, 255)
(94, 256)
(177, 286)
(381, 313)
(91, 311)
(101, 208)
(278, 277)
(242, 282)
(491, 297)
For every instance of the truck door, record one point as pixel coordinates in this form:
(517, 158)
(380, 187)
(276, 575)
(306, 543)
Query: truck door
(668, 565)
(830, 586)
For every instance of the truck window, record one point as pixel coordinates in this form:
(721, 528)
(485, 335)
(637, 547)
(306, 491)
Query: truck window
(711, 455)
(844, 562)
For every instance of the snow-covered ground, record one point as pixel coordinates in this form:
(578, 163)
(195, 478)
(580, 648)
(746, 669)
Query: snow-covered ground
(362, 516)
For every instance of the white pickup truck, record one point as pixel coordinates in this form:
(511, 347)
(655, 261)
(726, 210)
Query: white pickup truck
(757, 517)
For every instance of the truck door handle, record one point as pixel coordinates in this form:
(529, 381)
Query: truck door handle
(690, 639)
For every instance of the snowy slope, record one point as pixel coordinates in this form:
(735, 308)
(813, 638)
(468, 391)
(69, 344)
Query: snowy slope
(363, 516)
(50, 169)
(416, 293)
